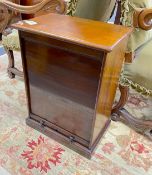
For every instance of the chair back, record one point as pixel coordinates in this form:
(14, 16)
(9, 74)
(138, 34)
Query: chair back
(95, 9)
(11, 11)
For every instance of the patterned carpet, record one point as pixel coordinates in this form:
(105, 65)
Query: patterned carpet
(24, 151)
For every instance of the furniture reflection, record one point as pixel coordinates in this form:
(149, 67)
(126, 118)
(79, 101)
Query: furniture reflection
(13, 12)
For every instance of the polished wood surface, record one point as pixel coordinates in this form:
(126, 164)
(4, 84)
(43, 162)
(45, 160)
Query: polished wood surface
(66, 82)
(52, 6)
(142, 18)
(108, 85)
(89, 33)
(71, 76)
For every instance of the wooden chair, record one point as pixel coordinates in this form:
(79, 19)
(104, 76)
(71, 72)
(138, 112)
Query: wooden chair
(137, 73)
(12, 12)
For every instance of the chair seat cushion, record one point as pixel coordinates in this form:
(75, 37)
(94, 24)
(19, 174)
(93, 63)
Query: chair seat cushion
(11, 41)
(139, 73)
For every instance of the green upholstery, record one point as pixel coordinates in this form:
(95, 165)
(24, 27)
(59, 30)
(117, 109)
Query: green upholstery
(139, 37)
(138, 74)
(95, 9)
(71, 7)
(11, 41)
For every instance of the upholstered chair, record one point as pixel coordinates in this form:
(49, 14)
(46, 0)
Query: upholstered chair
(12, 12)
(137, 72)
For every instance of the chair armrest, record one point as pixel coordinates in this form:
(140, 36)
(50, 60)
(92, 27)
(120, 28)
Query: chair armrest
(8, 9)
(143, 18)
(34, 8)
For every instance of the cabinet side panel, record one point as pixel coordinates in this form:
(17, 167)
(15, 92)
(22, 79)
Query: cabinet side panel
(109, 82)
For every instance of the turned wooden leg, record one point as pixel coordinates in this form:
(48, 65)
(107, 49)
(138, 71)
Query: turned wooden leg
(10, 62)
(12, 71)
(124, 93)
(119, 113)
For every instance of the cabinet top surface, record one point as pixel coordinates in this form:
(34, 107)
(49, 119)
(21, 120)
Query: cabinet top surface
(89, 33)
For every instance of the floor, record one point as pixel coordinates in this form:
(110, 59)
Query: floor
(3, 171)
(25, 151)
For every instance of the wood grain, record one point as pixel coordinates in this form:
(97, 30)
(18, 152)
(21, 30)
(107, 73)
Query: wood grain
(71, 76)
(94, 34)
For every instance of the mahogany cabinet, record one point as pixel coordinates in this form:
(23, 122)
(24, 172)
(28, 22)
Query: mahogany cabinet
(71, 68)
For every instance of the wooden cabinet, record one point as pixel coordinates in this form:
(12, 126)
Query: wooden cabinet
(71, 69)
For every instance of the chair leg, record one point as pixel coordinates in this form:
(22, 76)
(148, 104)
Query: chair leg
(119, 113)
(140, 125)
(124, 93)
(10, 62)
(12, 71)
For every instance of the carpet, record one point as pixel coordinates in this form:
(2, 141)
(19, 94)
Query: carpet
(25, 151)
